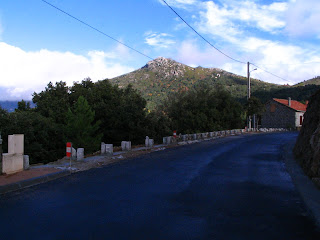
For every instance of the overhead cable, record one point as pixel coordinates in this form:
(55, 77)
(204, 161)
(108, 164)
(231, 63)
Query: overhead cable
(270, 73)
(202, 36)
(97, 30)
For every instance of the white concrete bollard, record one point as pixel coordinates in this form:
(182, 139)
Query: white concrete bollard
(103, 148)
(80, 154)
(16, 143)
(109, 149)
(26, 164)
(126, 145)
(12, 161)
(73, 154)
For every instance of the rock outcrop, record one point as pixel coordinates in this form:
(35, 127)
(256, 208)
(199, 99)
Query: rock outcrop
(307, 148)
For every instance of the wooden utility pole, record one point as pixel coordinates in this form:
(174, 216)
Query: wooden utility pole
(248, 75)
(249, 94)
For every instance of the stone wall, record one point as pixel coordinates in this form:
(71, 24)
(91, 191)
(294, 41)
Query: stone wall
(307, 148)
(278, 116)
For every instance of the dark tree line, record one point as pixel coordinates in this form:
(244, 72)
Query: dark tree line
(88, 113)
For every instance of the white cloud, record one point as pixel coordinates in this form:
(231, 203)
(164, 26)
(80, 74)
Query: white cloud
(231, 19)
(284, 60)
(24, 72)
(303, 18)
(180, 3)
(161, 40)
(191, 54)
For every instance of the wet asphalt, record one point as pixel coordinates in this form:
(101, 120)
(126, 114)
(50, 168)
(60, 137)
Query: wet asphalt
(230, 188)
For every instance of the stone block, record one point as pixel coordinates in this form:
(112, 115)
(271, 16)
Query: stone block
(12, 163)
(73, 154)
(126, 145)
(80, 154)
(194, 136)
(103, 148)
(16, 144)
(109, 149)
(26, 164)
(184, 138)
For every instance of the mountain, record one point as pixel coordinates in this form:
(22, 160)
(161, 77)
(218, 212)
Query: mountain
(313, 81)
(10, 106)
(163, 76)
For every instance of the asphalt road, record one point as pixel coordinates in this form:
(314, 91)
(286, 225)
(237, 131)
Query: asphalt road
(231, 188)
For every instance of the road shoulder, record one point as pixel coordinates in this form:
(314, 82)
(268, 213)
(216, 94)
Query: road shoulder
(306, 188)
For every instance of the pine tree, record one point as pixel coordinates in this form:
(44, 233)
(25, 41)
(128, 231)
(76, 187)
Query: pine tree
(81, 129)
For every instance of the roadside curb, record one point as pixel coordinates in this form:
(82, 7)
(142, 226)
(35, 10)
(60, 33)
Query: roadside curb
(308, 191)
(32, 181)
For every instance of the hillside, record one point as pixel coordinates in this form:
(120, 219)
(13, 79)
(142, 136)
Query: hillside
(313, 81)
(307, 147)
(162, 76)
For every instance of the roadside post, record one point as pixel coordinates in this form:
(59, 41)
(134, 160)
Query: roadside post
(0, 154)
(69, 152)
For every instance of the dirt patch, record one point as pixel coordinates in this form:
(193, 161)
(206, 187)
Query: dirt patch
(27, 174)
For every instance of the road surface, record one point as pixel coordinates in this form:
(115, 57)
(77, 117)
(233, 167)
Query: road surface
(231, 188)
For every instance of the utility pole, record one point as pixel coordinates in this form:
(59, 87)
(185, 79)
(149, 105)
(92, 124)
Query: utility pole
(0, 154)
(248, 96)
(248, 75)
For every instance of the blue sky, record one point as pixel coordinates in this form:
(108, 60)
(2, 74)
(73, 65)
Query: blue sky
(39, 44)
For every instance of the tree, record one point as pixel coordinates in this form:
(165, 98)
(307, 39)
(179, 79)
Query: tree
(82, 131)
(203, 109)
(23, 106)
(43, 138)
(53, 102)
(254, 106)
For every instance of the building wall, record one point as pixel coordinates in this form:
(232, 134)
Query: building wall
(277, 115)
(298, 115)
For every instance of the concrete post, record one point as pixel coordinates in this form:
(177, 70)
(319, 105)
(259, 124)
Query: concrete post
(80, 154)
(73, 154)
(103, 148)
(147, 143)
(126, 145)
(26, 165)
(0, 155)
(12, 161)
(194, 136)
(109, 149)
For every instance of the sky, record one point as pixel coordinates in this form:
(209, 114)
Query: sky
(39, 44)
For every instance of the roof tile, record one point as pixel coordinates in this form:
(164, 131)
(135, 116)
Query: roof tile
(298, 106)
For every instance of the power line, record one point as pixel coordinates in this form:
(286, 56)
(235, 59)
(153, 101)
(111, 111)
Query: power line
(97, 30)
(202, 36)
(293, 64)
(271, 73)
(219, 49)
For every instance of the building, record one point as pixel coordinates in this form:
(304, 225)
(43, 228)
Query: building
(283, 113)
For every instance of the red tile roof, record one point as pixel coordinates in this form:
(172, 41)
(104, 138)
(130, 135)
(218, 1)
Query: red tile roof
(294, 104)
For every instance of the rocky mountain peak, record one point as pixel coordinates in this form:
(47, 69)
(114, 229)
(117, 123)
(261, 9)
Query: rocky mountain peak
(166, 67)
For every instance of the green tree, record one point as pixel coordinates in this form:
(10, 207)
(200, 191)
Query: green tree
(53, 102)
(203, 109)
(82, 131)
(23, 106)
(254, 106)
(43, 138)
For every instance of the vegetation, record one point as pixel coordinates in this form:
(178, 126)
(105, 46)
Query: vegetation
(153, 101)
(81, 129)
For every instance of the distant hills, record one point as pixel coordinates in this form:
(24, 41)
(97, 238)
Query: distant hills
(10, 106)
(162, 76)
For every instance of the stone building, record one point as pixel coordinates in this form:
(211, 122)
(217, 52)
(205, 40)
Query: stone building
(283, 113)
